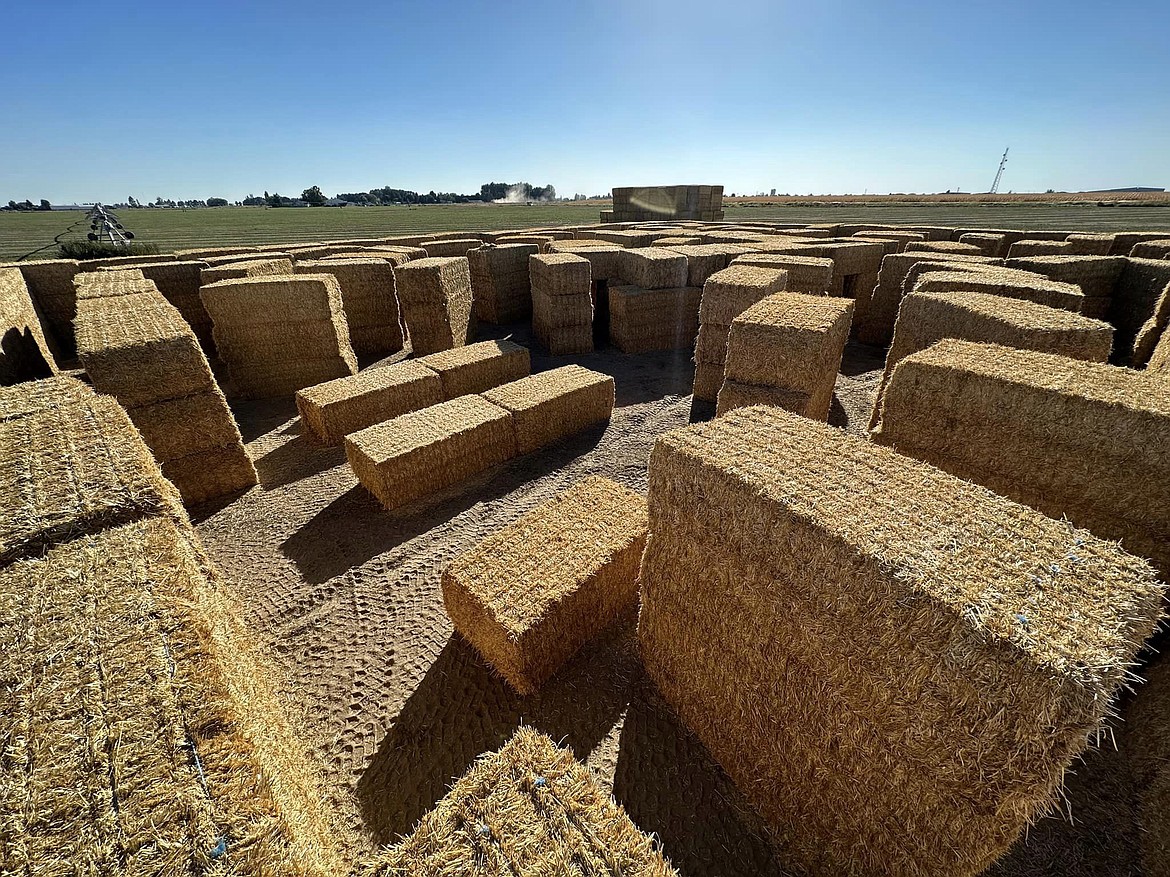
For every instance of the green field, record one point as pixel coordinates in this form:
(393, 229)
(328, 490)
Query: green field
(172, 229)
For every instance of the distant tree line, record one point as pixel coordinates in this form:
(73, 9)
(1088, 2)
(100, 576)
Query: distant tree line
(27, 205)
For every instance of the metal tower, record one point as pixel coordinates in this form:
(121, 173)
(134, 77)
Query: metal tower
(999, 173)
(104, 225)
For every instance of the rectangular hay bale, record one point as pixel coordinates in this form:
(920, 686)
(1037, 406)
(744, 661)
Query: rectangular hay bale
(953, 657)
(435, 297)
(332, 410)
(408, 457)
(554, 404)
(653, 268)
(645, 320)
(531, 594)
(478, 367)
(24, 350)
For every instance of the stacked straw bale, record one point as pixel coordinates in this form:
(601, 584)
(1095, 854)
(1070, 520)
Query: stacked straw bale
(334, 409)
(653, 268)
(202, 254)
(678, 241)
(562, 302)
(1078, 440)
(703, 260)
(808, 274)
(253, 268)
(532, 594)
(1140, 309)
(1095, 275)
(451, 247)
(1157, 249)
(555, 404)
(626, 238)
(927, 317)
(1125, 241)
(419, 453)
(876, 325)
(644, 320)
(986, 243)
(130, 658)
(478, 367)
(500, 287)
(50, 284)
(435, 297)
(179, 284)
(71, 462)
(1003, 281)
(139, 349)
(955, 247)
(603, 257)
(24, 350)
(108, 281)
(1090, 244)
(370, 301)
(901, 238)
(726, 295)
(790, 342)
(277, 334)
(530, 808)
(1030, 247)
(258, 256)
(956, 650)
(1160, 359)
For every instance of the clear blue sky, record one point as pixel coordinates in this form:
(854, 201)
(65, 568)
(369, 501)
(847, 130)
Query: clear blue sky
(199, 99)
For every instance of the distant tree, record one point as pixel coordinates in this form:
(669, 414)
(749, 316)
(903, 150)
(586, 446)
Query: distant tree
(255, 200)
(314, 196)
(133, 202)
(45, 205)
(217, 202)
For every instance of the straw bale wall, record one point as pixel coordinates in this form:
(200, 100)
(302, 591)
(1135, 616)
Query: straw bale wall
(435, 297)
(500, 286)
(644, 320)
(799, 577)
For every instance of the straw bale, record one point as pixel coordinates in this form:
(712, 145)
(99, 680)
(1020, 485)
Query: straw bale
(678, 241)
(501, 291)
(253, 305)
(179, 283)
(211, 473)
(643, 320)
(369, 300)
(805, 273)
(75, 467)
(256, 256)
(960, 647)
(876, 324)
(730, 292)
(1146, 743)
(478, 367)
(1039, 248)
(554, 404)
(1140, 309)
(145, 662)
(1078, 440)
(24, 350)
(986, 244)
(602, 257)
(1124, 241)
(708, 380)
(944, 247)
(928, 317)
(261, 268)
(450, 247)
(181, 427)
(140, 350)
(734, 395)
(332, 410)
(1090, 244)
(627, 239)
(900, 238)
(272, 343)
(1002, 281)
(711, 344)
(530, 808)
(1156, 249)
(435, 297)
(540, 241)
(791, 341)
(45, 394)
(1095, 275)
(99, 275)
(653, 268)
(561, 311)
(204, 253)
(50, 285)
(416, 454)
(125, 261)
(533, 593)
(559, 274)
(564, 340)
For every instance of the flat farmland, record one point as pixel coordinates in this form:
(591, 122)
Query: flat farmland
(22, 234)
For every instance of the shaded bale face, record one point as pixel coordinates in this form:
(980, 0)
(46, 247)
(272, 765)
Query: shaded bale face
(554, 404)
(643, 320)
(830, 545)
(24, 350)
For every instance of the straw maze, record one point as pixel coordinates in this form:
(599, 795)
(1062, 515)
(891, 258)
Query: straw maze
(893, 632)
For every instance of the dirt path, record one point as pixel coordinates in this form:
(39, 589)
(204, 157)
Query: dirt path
(347, 597)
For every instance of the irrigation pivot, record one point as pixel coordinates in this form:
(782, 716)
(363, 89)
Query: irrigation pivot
(104, 225)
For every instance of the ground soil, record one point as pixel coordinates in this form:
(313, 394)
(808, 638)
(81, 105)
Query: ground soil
(346, 596)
